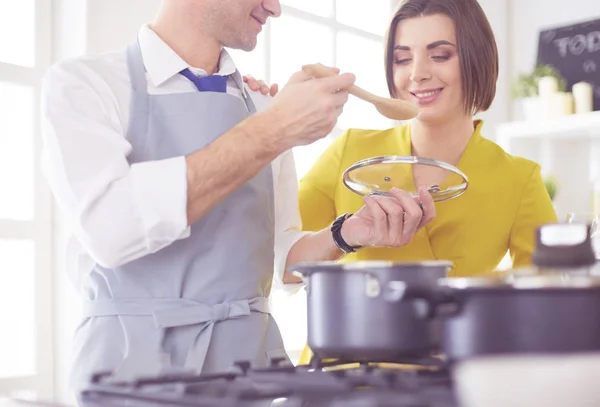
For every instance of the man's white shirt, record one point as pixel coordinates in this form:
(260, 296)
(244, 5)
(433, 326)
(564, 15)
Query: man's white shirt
(120, 212)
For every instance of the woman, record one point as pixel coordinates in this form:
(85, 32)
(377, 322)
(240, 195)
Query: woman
(442, 55)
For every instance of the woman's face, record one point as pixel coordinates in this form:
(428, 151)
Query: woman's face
(426, 67)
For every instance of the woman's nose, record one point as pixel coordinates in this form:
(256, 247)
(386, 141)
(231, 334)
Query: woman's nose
(420, 71)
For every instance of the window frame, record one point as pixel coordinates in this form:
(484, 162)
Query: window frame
(279, 299)
(39, 229)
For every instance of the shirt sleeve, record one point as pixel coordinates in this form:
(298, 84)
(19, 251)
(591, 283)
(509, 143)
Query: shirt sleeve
(288, 225)
(535, 209)
(119, 212)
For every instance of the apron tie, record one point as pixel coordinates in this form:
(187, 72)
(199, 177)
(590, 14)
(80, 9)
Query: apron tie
(171, 313)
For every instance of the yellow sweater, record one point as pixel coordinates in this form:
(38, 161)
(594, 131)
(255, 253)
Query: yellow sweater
(504, 203)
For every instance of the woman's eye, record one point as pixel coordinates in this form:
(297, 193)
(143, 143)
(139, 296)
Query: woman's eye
(440, 58)
(402, 61)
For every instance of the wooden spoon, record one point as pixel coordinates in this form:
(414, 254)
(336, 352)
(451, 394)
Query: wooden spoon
(394, 109)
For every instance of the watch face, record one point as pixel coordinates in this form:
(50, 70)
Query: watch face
(378, 175)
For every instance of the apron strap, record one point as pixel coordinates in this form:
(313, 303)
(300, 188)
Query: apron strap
(170, 313)
(137, 71)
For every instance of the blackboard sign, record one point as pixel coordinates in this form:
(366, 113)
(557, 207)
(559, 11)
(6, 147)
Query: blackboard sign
(574, 51)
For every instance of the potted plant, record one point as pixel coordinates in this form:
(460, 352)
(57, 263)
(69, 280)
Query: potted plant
(525, 89)
(551, 184)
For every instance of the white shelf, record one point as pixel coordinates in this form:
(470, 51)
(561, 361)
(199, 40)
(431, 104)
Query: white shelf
(584, 125)
(567, 147)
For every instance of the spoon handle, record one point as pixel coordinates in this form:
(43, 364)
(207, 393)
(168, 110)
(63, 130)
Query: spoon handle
(320, 71)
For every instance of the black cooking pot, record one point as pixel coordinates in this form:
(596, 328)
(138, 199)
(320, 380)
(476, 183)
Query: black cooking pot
(552, 307)
(352, 314)
(535, 314)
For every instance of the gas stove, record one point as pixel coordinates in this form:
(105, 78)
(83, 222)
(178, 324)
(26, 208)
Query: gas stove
(341, 384)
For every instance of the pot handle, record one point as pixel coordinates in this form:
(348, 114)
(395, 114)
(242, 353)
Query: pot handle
(442, 302)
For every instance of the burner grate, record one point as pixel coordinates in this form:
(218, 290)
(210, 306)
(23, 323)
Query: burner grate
(292, 386)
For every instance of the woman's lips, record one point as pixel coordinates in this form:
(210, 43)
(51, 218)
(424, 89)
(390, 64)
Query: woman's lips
(424, 97)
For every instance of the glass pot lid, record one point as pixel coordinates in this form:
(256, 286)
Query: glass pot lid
(378, 175)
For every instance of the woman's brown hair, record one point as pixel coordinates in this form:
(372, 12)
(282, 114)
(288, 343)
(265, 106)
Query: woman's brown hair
(476, 44)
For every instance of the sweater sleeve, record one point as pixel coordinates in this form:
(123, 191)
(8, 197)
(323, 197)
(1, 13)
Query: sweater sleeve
(535, 209)
(317, 188)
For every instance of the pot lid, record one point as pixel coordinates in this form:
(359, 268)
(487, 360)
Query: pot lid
(378, 175)
(306, 268)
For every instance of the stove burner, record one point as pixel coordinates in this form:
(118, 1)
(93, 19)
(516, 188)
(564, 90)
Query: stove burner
(432, 363)
(277, 385)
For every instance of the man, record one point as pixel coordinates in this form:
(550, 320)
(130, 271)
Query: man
(182, 197)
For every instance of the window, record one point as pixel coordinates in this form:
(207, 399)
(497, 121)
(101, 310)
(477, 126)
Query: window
(25, 206)
(336, 33)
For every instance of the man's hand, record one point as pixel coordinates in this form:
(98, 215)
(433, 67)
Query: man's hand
(261, 86)
(389, 221)
(307, 109)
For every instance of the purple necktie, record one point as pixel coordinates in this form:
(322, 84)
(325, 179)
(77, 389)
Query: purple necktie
(211, 83)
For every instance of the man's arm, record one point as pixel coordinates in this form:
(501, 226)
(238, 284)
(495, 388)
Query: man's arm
(304, 111)
(225, 165)
(121, 212)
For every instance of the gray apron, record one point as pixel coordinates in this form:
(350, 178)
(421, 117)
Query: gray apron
(201, 303)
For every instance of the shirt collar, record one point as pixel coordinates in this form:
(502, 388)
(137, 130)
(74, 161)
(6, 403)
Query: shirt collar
(162, 63)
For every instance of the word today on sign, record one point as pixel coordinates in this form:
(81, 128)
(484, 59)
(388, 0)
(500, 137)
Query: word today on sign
(574, 50)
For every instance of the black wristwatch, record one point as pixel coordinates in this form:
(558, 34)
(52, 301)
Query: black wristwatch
(336, 233)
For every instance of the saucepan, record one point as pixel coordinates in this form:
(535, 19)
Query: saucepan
(352, 314)
(525, 337)
(530, 341)
(554, 308)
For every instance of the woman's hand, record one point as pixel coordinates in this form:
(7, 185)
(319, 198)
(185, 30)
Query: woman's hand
(261, 86)
(389, 221)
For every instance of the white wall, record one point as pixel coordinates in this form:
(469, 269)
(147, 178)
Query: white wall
(69, 36)
(113, 24)
(497, 12)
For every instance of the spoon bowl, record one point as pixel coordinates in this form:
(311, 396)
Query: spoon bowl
(395, 109)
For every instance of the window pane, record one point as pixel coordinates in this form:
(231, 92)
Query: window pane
(17, 32)
(373, 18)
(305, 156)
(364, 58)
(17, 308)
(16, 151)
(251, 63)
(322, 8)
(296, 42)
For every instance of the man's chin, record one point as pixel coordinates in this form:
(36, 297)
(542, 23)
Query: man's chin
(245, 44)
